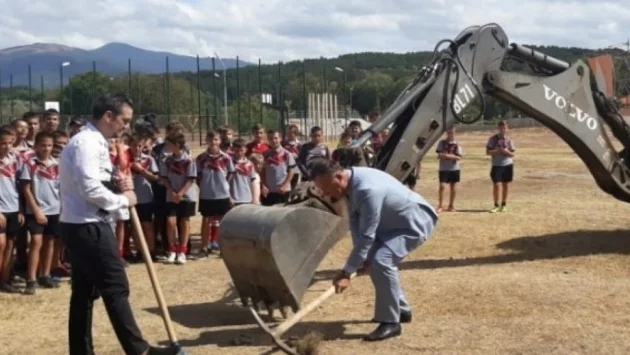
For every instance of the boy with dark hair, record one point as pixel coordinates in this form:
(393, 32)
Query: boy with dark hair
(277, 173)
(243, 187)
(449, 153)
(344, 141)
(75, 125)
(145, 172)
(159, 154)
(292, 144)
(501, 149)
(316, 148)
(33, 121)
(178, 173)
(60, 141)
(258, 144)
(214, 169)
(50, 120)
(355, 129)
(40, 186)
(226, 134)
(10, 206)
(21, 131)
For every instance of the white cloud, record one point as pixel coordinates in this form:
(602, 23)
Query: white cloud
(284, 30)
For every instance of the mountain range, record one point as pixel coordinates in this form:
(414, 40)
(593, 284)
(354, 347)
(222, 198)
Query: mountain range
(45, 60)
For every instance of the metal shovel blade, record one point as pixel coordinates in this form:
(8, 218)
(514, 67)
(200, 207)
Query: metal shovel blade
(272, 252)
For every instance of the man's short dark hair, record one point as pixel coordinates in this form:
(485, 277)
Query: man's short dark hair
(110, 102)
(323, 167)
(316, 129)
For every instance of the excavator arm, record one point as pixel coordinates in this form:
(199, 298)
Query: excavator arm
(452, 88)
(272, 252)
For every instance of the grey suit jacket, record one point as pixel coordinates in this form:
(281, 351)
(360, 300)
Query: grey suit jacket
(383, 211)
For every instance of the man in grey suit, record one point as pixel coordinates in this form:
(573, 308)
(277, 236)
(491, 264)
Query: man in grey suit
(387, 222)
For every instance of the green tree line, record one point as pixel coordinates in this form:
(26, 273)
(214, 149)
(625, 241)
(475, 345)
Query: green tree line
(369, 82)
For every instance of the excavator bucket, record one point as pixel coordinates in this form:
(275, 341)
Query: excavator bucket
(272, 252)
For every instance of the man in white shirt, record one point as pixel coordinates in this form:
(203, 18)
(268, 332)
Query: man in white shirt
(88, 201)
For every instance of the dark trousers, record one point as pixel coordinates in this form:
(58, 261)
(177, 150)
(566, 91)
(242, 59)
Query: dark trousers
(98, 271)
(274, 198)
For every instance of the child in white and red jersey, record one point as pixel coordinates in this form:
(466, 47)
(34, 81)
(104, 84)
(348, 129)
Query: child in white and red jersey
(214, 169)
(245, 184)
(292, 144)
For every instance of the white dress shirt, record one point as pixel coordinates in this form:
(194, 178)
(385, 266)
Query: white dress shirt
(84, 166)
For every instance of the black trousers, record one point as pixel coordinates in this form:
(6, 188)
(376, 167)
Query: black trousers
(274, 198)
(98, 271)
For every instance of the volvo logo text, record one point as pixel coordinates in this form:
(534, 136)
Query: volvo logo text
(567, 106)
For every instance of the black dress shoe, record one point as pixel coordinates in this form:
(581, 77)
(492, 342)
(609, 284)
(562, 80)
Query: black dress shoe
(165, 351)
(405, 317)
(384, 331)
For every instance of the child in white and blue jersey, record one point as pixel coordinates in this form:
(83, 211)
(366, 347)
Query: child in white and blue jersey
(214, 170)
(40, 187)
(10, 207)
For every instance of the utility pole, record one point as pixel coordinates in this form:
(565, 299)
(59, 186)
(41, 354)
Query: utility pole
(225, 108)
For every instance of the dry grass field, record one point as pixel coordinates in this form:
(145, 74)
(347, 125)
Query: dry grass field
(550, 276)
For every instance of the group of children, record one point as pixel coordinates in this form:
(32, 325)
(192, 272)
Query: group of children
(172, 185)
(30, 202)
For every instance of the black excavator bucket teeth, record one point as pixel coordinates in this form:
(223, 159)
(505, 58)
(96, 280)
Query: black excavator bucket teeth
(272, 252)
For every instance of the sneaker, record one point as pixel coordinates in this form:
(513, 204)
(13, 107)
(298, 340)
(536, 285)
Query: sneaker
(171, 257)
(31, 287)
(8, 288)
(181, 259)
(503, 209)
(47, 282)
(495, 209)
(214, 246)
(203, 253)
(17, 280)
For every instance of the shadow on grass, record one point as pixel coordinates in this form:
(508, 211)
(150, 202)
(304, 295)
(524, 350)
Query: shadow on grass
(227, 311)
(543, 247)
(530, 248)
(255, 336)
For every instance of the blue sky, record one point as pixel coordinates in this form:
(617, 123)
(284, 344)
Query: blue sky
(283, 30)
